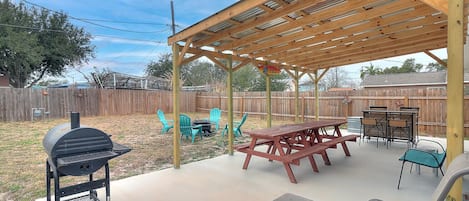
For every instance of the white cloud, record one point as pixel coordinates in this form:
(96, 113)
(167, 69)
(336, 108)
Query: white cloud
(111, 39)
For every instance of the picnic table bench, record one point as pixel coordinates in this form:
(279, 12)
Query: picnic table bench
(291, 143)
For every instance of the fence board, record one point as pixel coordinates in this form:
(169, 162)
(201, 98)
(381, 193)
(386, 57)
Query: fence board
(16, 104)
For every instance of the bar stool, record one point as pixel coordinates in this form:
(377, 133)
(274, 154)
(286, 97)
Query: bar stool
(369, 122)
(398, 125)
(416, 110)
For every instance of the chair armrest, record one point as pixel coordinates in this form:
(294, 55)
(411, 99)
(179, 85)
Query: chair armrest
(197, 126)
(432, 141)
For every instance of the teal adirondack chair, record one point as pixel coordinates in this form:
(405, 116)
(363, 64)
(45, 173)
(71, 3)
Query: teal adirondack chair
(236, 127)
(167, 124)
(187, 129)
(215, 116)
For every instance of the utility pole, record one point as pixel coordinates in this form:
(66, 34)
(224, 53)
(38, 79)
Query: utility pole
(173, 26)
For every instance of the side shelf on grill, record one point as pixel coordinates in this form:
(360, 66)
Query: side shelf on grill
(83, 158)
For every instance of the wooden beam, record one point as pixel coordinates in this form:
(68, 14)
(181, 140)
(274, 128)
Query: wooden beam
(455, 90)
(440, 5)
(192, 58)
(234, 10)
(298, 5)
(368, 56)
(316, 17)
(202, 52)
(382, 45)
(290, 74)
(215, 60)
(443, 63)
(229, 91)
(350, 5)
(373, 29)
(184, 50)
(176, 130)
(243, 63)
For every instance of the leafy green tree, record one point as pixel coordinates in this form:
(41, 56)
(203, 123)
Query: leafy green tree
(245, 78)
(409, 66)
(370, 70)
(37, 42)
(161, 67)
(199, 73)
(436, 67)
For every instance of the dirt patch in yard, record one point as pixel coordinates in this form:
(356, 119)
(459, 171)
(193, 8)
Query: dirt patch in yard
(22, 168)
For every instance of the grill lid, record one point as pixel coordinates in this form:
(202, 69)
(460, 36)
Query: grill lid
(62, 141)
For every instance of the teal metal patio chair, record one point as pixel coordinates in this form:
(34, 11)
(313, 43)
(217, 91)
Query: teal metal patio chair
(430, 157)
(187, 129)
(167, 124)
(236, 127)
(214, 119)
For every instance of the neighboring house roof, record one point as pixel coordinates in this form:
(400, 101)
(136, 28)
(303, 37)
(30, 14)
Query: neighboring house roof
(406, 79)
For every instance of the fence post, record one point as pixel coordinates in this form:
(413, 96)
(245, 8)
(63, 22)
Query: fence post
(241, 107)
(303, 103)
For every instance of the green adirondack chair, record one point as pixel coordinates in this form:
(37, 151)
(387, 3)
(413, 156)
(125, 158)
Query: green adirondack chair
(214, 119)
(167, 124)
(187, 129)
(236, 127)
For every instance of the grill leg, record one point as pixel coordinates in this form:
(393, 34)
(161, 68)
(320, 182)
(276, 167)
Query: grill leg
(108, 188)
(48, 180)
(91, 187)
(56, 186)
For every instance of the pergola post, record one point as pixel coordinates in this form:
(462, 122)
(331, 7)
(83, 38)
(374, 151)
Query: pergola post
(229, 91)
(176, 131)
(269, 100)
(455, 88)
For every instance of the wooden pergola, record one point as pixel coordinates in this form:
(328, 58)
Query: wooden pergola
(304, 36)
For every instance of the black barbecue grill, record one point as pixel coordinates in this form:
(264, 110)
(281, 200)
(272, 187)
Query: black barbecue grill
(78, 151)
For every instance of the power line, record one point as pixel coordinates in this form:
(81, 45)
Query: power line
(62, 31)
(124, 22)
(31, 28)
(93, 23)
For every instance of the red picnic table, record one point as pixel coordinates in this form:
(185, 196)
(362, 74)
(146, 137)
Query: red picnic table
(292, 142)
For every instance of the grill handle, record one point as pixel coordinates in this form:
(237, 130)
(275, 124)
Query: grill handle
(74, 120)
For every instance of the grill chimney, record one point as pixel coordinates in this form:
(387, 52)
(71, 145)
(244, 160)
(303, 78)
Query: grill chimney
(74, 120)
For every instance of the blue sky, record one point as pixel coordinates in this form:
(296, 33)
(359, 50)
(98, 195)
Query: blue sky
(128, 34)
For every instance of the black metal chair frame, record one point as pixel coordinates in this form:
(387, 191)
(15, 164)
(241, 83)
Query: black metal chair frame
(371, 122)
(428, 153)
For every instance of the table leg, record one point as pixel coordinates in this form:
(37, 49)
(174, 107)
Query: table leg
(313, 164)
(344, 145)
(248, 154)
(305, 143)
(290, 172)
(325, 158)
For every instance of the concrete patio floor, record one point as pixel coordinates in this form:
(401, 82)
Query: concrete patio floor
(370, 173)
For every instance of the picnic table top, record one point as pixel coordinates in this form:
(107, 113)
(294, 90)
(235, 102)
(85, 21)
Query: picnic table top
(291, 128)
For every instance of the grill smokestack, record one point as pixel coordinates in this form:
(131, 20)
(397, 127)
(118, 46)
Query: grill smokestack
(74, 120)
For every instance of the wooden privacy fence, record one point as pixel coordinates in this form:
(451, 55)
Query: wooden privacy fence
(21, 104)
(343, 104)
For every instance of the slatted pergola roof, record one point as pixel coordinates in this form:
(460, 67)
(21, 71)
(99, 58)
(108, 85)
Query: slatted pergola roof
(315, 34)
